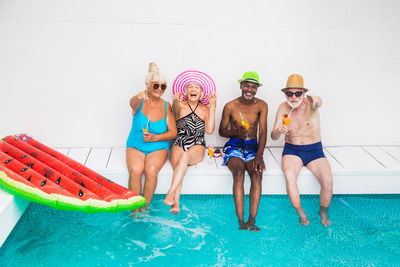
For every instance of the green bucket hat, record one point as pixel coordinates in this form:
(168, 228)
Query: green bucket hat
(251, 76)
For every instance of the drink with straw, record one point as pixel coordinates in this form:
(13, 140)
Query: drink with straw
(286, 119)
(245, 124)
(146, 130)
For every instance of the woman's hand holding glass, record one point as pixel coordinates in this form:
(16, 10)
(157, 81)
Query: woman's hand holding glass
(149, 137)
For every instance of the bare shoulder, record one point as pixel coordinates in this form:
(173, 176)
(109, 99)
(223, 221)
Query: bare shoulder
(231, 104)
(283, 106)
(168, 105)
(203, 107)
(261, 103)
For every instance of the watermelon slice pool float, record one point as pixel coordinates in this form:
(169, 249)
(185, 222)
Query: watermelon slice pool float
(35, 172)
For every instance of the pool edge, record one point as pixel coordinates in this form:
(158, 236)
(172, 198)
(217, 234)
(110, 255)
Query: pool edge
(11, 210)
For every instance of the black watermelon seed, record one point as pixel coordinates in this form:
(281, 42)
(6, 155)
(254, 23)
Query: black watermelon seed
(43, 183)
(29, 178)
(80, 193)
(7, 161)
(5, 152)
(24, 169)
(45, 175)
(99, 185)
(24, 156)
(30, 166)
(82, 184)
(110, 181)
(58, 180)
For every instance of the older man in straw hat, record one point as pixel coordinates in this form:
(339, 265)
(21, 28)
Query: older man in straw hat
(298, 120)
(241, 118)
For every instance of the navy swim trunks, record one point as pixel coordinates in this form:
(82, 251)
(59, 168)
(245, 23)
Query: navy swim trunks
(240, 148)
(307, 153)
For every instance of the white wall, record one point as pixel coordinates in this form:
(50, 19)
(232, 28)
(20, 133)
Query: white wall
(69, 67)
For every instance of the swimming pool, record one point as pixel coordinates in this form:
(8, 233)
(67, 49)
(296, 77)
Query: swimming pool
(365, 230)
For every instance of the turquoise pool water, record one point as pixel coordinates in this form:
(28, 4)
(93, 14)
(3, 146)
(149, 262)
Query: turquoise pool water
(365, 232)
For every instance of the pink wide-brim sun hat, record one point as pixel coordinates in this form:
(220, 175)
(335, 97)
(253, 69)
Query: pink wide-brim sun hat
(193, 76)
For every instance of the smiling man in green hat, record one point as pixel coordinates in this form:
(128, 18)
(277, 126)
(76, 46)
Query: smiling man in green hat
(242, 119)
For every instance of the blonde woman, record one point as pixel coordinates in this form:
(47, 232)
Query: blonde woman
(193, 119)
(153, 124)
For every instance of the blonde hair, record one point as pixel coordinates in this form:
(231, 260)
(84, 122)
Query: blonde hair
(154, 74)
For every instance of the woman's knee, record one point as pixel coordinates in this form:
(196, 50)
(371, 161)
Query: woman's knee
(135, 171)
(194, 159)
(151, 171)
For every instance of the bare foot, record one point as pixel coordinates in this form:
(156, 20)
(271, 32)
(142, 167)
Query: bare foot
(137, 211)
(304, 220)
(302, 217)
(243, 225)
(325, 221)
(251, 225)
(169, 201)
(175, 209)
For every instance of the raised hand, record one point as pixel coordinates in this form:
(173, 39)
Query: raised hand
(314, 101)
(142, 95)
(212, 99)
(178, 97)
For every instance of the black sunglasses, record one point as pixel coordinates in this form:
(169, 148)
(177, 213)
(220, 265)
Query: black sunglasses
(156, 85)
(297, 94)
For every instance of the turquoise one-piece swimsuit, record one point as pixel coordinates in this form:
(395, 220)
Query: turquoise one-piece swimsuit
(139, 122)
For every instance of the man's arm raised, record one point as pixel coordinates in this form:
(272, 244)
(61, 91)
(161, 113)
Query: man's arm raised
(315, 101)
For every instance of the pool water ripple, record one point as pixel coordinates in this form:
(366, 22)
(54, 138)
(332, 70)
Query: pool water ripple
(365, 231)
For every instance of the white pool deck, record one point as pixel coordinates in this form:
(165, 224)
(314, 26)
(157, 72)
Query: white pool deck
(356, 170)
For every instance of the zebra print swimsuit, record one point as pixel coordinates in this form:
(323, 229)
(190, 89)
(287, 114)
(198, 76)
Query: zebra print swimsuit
(191, 131)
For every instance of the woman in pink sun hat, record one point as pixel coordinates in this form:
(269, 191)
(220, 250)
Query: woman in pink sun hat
(194, 108)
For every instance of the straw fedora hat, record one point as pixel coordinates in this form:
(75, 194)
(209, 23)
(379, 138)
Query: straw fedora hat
(295, 81)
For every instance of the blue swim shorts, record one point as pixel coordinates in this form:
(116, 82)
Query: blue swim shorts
(240, 148)
(306, 153)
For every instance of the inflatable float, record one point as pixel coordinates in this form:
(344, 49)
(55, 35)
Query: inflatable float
(35, 172)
